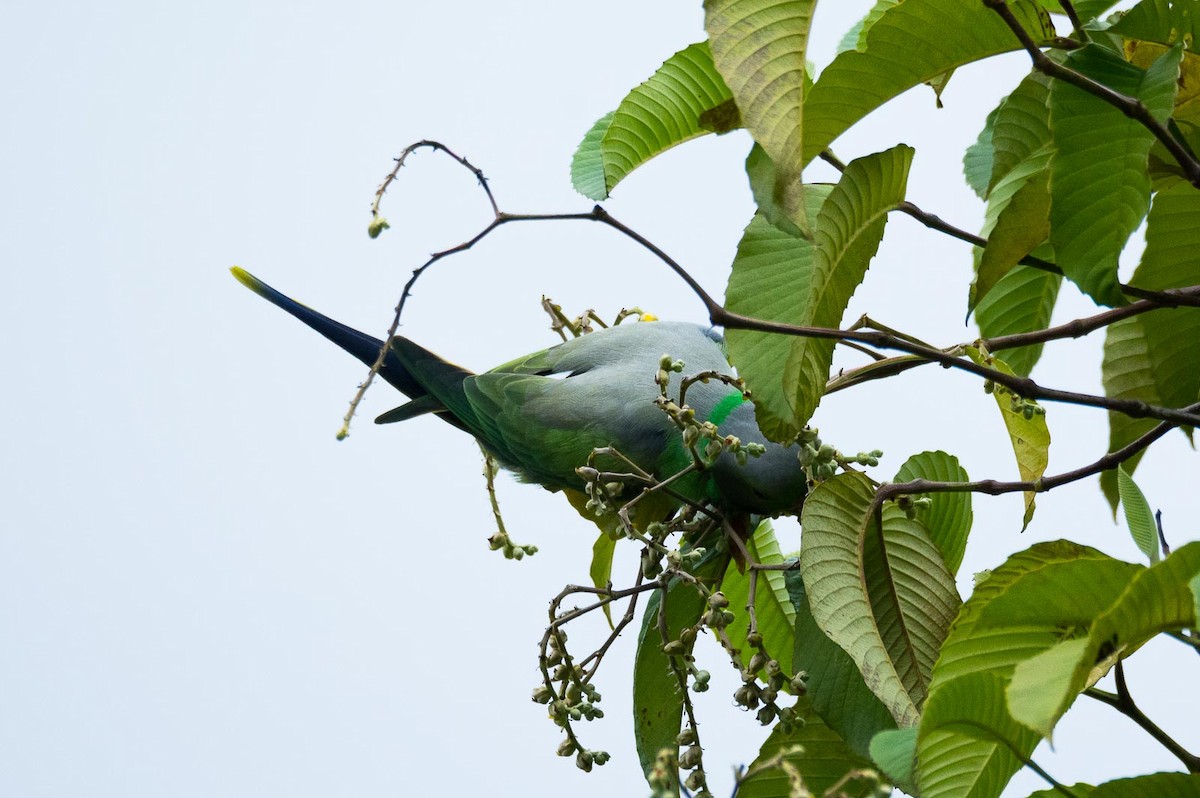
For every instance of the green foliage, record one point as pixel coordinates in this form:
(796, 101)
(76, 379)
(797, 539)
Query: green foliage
(810, 284)
(859, 652)
(664, 111)
(1093, 211)
(883, 594)
(1138, 517)
(764, 66)
(1027, 431)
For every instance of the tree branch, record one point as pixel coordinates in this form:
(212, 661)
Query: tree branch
(995, 488)
(1123, 702)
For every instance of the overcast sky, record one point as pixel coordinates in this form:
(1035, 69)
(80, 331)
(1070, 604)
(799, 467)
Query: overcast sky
(201, 591)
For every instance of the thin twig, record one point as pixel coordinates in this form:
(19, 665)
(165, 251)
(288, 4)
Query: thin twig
(995, 488)
(1123, 702)
(1076, 24)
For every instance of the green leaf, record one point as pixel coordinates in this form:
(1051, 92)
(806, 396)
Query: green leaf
(1030, 436)
(1099, 184)
(1020, 227)
(979, 158)
(839, 694)
(758, 46)
(587, 165)
(949, 519)
(822, 760)
(846, 236)
(785, 278)
(884, 596)
(1022, 301)
(1164, 21)
(761, 172)
(909, 44)
(1138, 517)
(1034, 202)
(657, 115)
(772, 602)
(1153, 357)
(657, 701)
(1155, 785)
(601, 568)
(855, 38)
(895, 752)
(1157, 599)
(1022, 125)
(966, 740)
(985, 644)
(1090, 9)
(770, 272)
(1078, 790)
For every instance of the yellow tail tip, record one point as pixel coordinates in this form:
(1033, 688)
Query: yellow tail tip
(247, 279)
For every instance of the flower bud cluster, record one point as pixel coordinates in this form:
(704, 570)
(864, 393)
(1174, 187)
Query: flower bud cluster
(512, 551)
(821, 461)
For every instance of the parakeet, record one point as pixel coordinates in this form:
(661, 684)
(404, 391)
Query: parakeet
(542, 415)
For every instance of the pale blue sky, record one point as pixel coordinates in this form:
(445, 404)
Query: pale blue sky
(202, 592)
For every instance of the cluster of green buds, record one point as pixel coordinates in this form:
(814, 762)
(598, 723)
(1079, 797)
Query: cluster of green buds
(691, 758)
(602, 496)
(718, 615)
(912, 504)
(821, 461)
(701, 438)
(574, 700)
(512, 551)
(1017, 404)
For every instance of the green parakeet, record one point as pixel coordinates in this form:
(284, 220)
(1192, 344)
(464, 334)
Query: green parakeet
(542, 415)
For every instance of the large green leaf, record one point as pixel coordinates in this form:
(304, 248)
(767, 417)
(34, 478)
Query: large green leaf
(657, 115)
(1020, 227)
(758, 46)
(1029, 434)
(948, 520)
(761, 172)
(1163, 21)
(855, 38)
(883, 595)
(1157, 599)
(907, 45)
(1154, 785)
(846, 236)
(657, 701)
(1099, 184)
(1022, 125)
(895, 752)
(967, 738)
(1019, 198)
(960, 761)
(786, 278)
(979, 159)
(1138, 516)
(769, 280)
(1154, 357)
(1022, 301)
(822, 760)
(835, 686)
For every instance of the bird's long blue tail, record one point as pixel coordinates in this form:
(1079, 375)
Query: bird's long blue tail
(359, 344)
